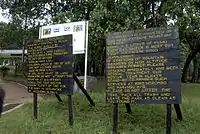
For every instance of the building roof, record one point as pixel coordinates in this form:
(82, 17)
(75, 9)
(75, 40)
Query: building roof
(8, 52)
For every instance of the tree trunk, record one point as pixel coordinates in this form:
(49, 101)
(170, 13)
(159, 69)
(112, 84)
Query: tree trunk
(15, 68)
(195, 71)
(198, 76)
(186, 66)
(102, 69)
(89, 68)
(82, 68)
(93, 69)
(75, 68)
(96, 68)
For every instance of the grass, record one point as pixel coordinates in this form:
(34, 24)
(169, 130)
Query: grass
(145, 119)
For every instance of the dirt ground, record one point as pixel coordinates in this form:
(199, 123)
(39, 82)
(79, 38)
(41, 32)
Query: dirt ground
(15, 93)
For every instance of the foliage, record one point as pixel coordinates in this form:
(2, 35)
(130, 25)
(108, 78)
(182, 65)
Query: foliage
(4, 70)
(24, 14)
(21, 68)
(9, 57)
(16, 77)
(108, 16)
(10, 36)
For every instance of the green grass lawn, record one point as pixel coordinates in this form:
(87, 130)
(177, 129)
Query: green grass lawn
(145, 119)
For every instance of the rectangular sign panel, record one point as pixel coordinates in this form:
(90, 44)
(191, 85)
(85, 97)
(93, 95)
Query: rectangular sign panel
(77, 29)
(50, 65)
(143, 67)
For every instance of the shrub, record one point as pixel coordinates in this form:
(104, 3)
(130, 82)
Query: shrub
(4, 70)
(21, 68)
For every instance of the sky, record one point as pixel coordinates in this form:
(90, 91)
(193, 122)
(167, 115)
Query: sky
(3, 18)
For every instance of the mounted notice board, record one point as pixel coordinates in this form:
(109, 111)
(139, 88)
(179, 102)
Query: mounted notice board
(77, 29)
(143, 66)
(50, 65)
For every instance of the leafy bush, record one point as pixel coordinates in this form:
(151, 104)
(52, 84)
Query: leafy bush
(21, 68)
(4, 70)
(9, 57)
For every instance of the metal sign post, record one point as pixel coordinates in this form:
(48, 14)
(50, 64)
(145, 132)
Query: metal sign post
(86, 55)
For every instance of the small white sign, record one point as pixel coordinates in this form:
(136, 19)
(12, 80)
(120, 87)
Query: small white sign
(77, 29)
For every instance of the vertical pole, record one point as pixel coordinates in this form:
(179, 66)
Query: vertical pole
(168, 119)
(24, 40)
(3, 62)
(115, 118)
(35, 110)
(128, 108)
(40, 32)
(23, 50)
(70, 110)
(86, 55)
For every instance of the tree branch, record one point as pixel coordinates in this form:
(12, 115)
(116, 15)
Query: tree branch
(161, 6)
(186, 37)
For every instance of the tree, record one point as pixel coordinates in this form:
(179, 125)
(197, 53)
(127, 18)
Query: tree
(10, 36)
(112, 16)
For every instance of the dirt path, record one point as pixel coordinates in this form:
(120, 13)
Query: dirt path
(15, 93)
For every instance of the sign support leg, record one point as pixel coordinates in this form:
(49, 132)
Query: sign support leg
(168, 119)
(128, 108)
(178, 111)
(35, 109)
(58, 97)
(115, 118)
(83, 90)
(70, 110)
